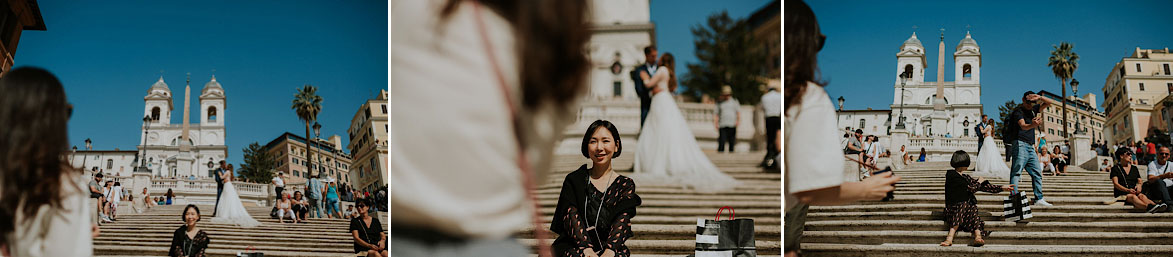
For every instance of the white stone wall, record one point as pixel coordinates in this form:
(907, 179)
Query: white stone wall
(113, 163)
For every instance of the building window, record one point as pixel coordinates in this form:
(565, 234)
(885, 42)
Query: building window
(861, 124)
(1169, 86)
(966, 71)
(1141, 86)
(109, 164)
(617, 88)
(212, 114)
(1167, 69)
(384, 108)
(155, 113)
(1138, 67)
(908, 68)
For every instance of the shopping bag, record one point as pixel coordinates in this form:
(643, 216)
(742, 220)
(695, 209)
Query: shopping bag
(1016, 207)
(725, 238)
(250, 252)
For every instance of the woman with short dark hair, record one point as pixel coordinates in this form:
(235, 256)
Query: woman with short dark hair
(595, 207)
(189, 240)
(365, 229)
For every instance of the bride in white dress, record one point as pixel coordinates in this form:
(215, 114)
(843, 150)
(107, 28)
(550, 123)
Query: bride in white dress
(233, 212)
(989, 162)
(667, 152)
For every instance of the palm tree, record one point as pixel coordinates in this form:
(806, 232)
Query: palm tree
(1063, 63)
(307, 104)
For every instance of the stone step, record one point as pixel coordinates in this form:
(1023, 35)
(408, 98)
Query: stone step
(989, 215)
(1146, 225)
(659, 196)
(714, 204)
(991, 249)
(769, 191)
(337, 234)
(213, 250)
(676, 247)
(991, 199)
(941, 206)
(675, 232)
(997, 237)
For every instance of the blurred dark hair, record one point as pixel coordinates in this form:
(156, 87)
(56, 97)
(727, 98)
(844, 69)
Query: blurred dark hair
(960, 159)
(803, 42)
(669, 61)
(648, 50)
(183, 216)
(1120, 152)
(33, 117)
(586, 138)
(551, 39)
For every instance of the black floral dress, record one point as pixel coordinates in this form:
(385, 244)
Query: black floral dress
(183, 246)
(960, 204)
(605, 226)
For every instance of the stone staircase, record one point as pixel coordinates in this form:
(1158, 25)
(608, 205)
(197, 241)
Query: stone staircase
(149, 234)
(911, 225)
(666, 224)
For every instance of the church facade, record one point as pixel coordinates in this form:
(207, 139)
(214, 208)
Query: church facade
(184, 149)
(940, 108)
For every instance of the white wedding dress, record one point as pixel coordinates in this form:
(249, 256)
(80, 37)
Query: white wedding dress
(233, 211)
(667, 152)
(990, 163)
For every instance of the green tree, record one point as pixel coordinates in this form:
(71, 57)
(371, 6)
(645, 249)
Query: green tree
(728, 54)
(307, 104)
(258, 164)
(1004, 112)
(1063, 63)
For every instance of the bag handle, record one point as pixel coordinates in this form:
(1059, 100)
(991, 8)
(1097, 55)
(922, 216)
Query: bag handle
(731, 214)
(522, 164)
(250, 249)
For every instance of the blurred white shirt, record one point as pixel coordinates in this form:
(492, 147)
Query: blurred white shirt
(454, 157)
(812, 159)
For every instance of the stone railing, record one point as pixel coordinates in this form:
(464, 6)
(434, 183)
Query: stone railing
(625, 116)
(201, 190)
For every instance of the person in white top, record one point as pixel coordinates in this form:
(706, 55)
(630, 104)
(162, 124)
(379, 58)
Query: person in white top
(814, 167)
(44, 207)
(772, 107)
(279, 183)
(1160, 179)
(471, 78)
(115, 199)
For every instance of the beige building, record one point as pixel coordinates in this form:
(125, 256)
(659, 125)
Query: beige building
(873, 122)
(368, 144)
(1081, 114)
(293, 157)
(1132, 89)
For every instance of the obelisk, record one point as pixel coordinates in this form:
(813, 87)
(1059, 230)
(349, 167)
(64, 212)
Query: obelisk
(938, 117)
(185, 160)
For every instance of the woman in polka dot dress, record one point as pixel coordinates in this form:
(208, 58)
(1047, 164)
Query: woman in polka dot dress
(960, 204)
(594, 212)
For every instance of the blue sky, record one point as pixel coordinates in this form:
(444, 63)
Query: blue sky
(109, 53)
(674, 20)
(1015, 38)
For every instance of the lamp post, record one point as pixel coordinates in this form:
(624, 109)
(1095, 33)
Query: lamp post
(147, 128)
(86, 156)
(903, 78)
(1075, 92)
(317, 134)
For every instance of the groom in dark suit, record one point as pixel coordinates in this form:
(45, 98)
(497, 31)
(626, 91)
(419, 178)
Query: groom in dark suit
(978, 130)
(645, 96)
(219, 184)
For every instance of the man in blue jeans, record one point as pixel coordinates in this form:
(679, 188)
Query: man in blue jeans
(1024, 155)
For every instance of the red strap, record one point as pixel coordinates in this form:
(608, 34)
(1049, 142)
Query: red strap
(731, 215)
(522, 163)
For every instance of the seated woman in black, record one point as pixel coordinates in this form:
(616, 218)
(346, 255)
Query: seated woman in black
(594, 212)
(1127, 181)
(367, 231)
(189, 241)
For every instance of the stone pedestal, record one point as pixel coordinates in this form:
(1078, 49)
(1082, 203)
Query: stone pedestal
(1081, 150)
(140, 179)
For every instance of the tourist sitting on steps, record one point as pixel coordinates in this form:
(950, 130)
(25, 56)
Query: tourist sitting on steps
(595, 205)
(365, 229)
(300, 206)
(1159, 177)
(1126, 181)
(189, 240)
(961, 211)
(285, 209)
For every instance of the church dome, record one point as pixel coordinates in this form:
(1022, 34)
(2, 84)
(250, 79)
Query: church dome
(967, 41)
(212, 85)
(159, 87)
(912, 41)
